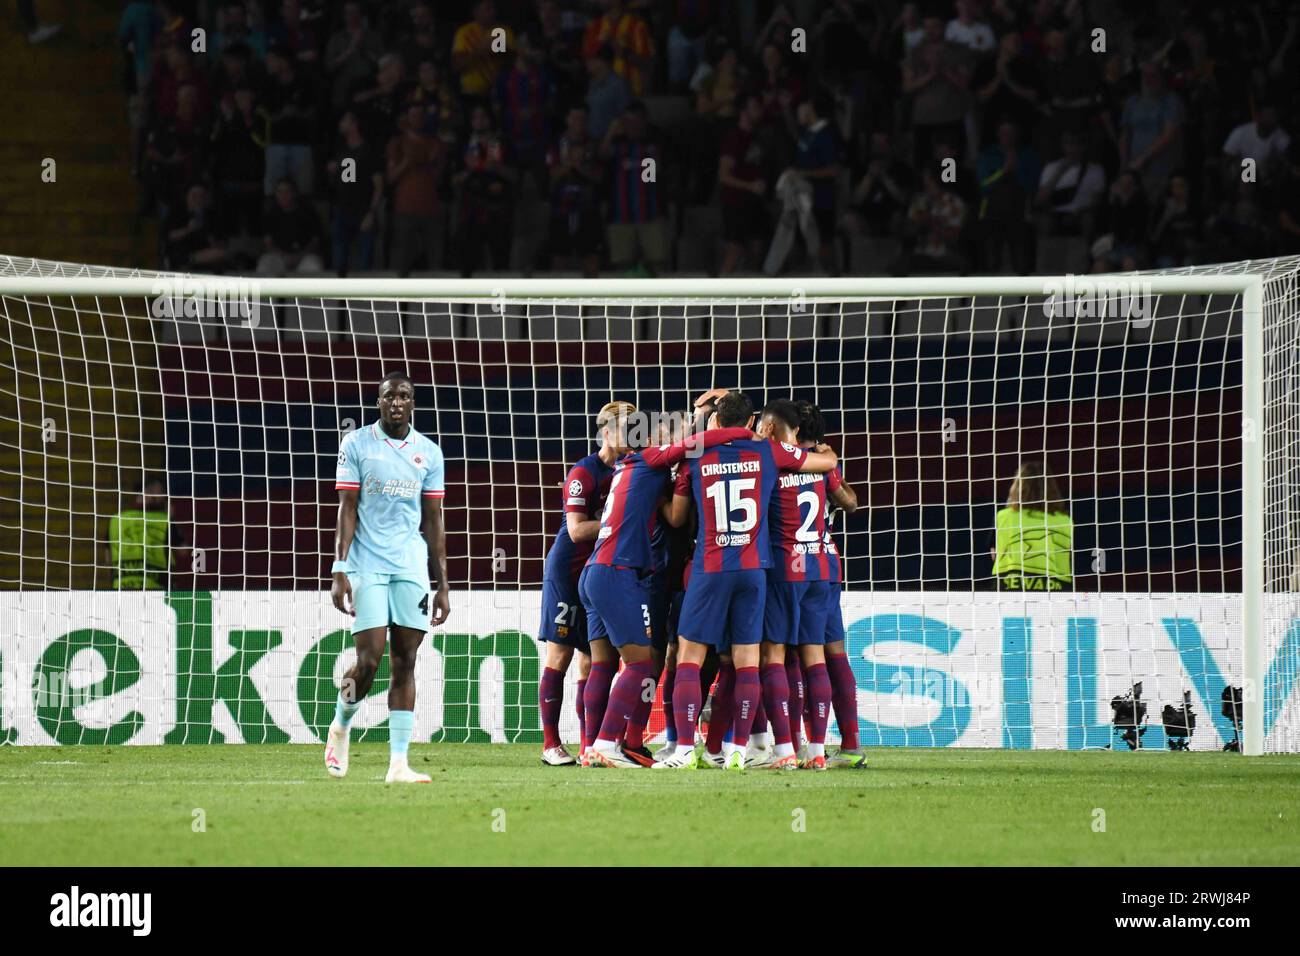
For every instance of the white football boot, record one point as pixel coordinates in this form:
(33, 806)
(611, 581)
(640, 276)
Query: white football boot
(558, 757)
(399, 771)
(336, 750)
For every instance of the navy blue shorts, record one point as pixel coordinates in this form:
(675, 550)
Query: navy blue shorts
(564, 619)
(675, 613)
(722, 608)
(618, 602)
(795, 611)
(834, 614)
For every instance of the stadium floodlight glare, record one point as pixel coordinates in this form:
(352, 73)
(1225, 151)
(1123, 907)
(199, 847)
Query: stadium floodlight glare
(1183, 406)
(1179, 723)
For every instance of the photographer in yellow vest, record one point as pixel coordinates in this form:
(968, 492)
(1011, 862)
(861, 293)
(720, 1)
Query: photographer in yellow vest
(1034, 536)
(138, 541)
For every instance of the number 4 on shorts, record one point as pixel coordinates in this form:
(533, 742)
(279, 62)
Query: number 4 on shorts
(424, 603)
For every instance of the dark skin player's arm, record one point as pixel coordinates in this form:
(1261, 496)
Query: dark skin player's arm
(344, 530)
(845, 498)
(435, 533)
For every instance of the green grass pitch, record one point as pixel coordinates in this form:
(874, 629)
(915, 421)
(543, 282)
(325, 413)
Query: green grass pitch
(274, 805)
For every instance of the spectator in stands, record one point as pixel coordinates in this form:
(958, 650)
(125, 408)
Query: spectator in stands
(1071, 88)
(575, 234)
(379, 106)
(415, 163)
(238, 164)
(561, 50)
(173, 26)
(1069, 190)
(358, 197)
(1260, 140)
(780, 90)
(909, 29)
(422, 43)
(1151, 132)
(628, 36)
(235, 68)
(1239, 229)
(141, 544)
(1008, 175)
(936, 75)
(435, 96)
(718, 85)
(485, 182)
(1006, 88)
(1173, 236)
(1127, 217)
(290, 113)
(934, 222)
(575, 132)
(135, 32)
(192, 238)
(638, 229)
(291, 234)
(174, 150)
(524, 99)
(297, 32)
(817, 159)
(176, 68)
(687, 38)
(235, 28)
(607, 94)
(473, 57)
(882, 186)
(745, 221)
(351, 55)
(966, 31)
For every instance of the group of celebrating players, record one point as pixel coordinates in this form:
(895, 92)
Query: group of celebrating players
(757, 606)
(708, 556)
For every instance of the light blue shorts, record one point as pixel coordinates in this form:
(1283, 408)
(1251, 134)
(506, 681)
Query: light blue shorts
(382, 600)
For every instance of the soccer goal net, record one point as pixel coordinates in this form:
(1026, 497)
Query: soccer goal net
(168, 445)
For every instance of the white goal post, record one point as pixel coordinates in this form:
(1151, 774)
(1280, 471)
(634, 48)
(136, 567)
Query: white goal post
(769, 336)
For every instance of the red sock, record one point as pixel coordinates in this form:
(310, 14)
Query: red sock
(670, 723)
(776, 694)
(721, 711)
(844, 695)
(635, 735)
(624, 699)
(550, 701)
(760, 716)
(818, 688)
(581, 706)
(687, 701)
(747, 695)
(596, 698)
(794, 676)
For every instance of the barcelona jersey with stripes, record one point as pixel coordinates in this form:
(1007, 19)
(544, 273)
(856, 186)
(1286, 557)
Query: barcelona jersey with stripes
(836, 569)
(797, 522)
(636, 492)
(732, 486)
(585, 487)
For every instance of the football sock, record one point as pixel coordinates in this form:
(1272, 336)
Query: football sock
(776, 696)
(624, 700)
(818, 690)
(670, 725)
(550, 699)
(748, 692)
(400, 725)
(844, 695)
(687, 701)
(720, 715)
(343, 711)
(595, 697)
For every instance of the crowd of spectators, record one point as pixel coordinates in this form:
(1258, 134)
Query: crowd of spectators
(558, 135)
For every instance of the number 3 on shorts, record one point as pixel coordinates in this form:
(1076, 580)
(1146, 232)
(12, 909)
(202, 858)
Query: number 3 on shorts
(645, 615)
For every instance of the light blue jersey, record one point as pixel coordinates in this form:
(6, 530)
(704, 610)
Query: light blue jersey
(393, 477)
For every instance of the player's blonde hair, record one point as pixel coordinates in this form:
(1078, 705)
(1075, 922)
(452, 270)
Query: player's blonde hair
(615, 415)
